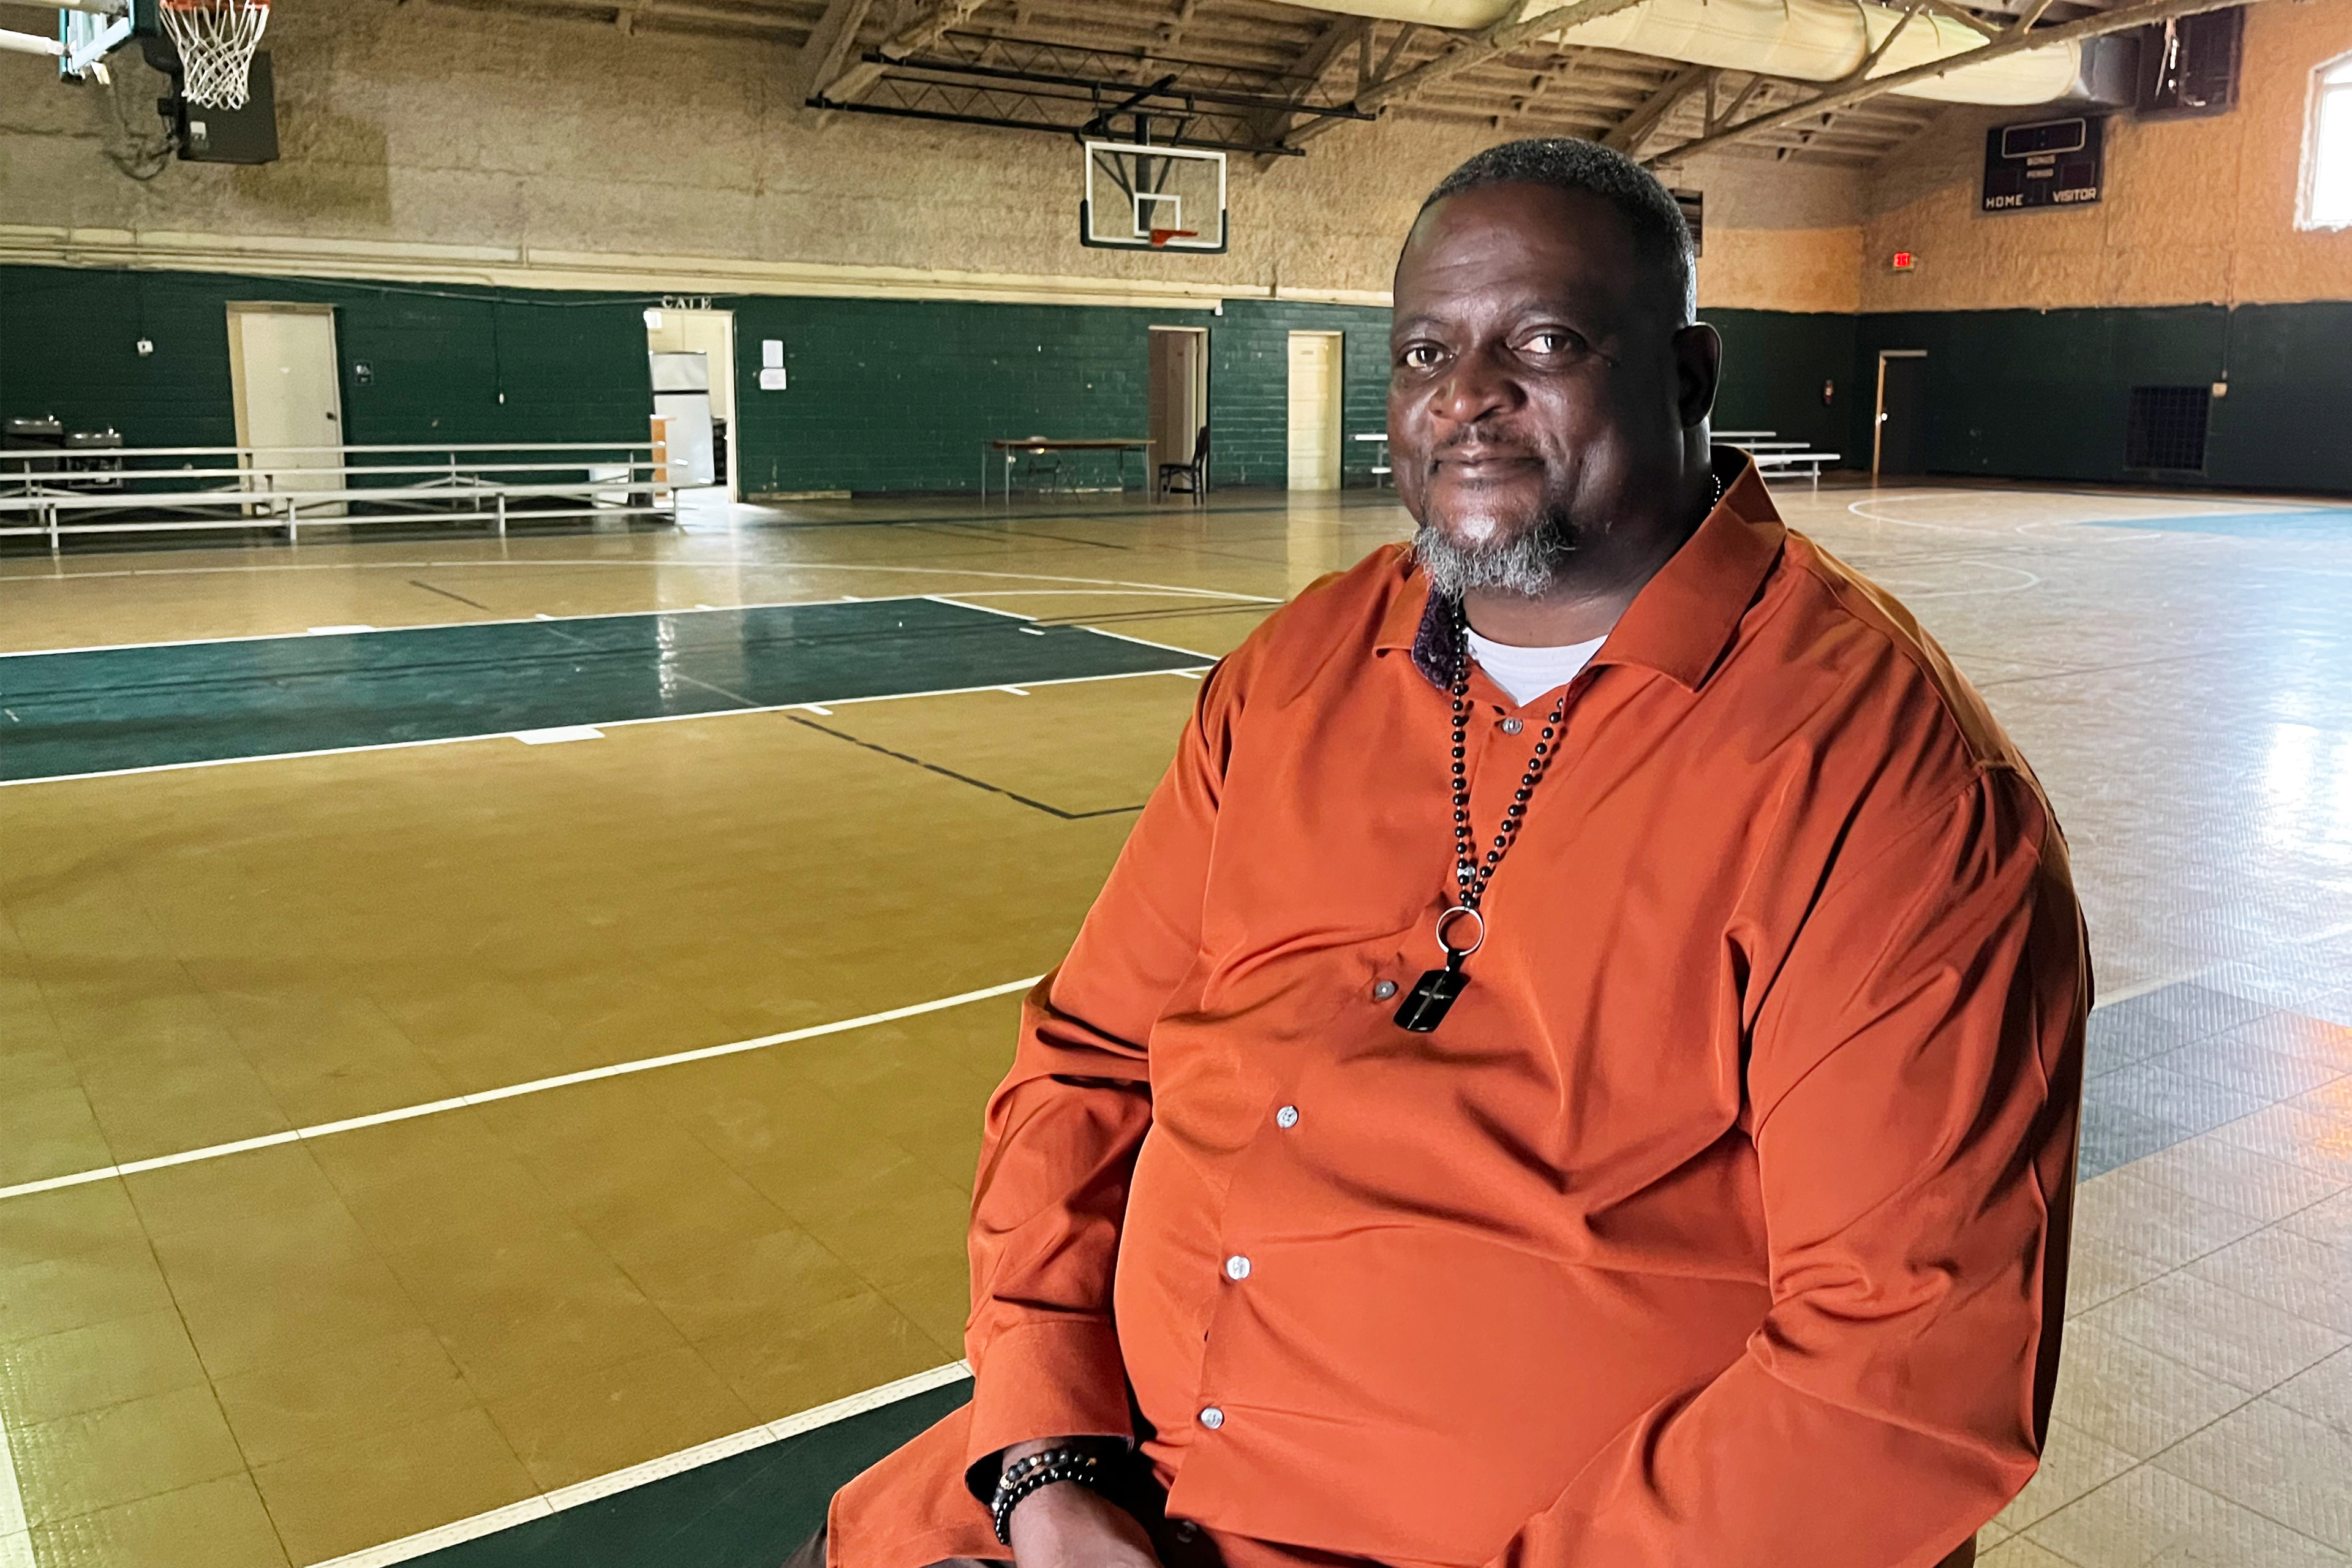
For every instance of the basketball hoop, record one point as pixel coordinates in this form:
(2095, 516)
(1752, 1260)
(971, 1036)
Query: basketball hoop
(216, 39)
(1160, 237)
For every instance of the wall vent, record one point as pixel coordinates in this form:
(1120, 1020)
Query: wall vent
(2167, 428)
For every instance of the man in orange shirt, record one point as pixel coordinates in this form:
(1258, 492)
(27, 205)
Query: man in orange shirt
(1576, 1066)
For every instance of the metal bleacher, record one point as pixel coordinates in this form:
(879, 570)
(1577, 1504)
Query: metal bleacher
(55, 491)
(1774, 456)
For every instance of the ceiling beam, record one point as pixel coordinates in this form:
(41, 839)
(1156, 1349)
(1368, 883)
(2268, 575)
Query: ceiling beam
(1476, 50)
(1309, 64)
(1970, 19)
(912, 39)
(829, 49)
(1628, 133)
(1841, 95)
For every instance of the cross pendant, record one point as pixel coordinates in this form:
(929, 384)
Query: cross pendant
(1426, 1005)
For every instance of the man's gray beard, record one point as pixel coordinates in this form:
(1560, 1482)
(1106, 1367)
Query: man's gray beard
(1528, 564)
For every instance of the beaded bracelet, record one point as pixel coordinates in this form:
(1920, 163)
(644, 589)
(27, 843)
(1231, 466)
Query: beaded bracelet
(1035, 1472)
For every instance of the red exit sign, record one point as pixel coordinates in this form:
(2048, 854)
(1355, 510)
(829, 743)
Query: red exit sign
(1903, 260)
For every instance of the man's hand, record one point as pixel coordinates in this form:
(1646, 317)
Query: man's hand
(1067, 1525)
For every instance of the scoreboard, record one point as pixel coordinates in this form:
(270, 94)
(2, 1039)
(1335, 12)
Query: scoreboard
(2045, 163)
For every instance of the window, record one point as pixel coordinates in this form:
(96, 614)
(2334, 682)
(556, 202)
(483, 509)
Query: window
(2327, 160)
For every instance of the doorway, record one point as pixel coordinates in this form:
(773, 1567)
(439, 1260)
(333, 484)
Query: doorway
(705, 437)
(1316, 360)
(1899, 446)
(288, 390)
(1179, 394)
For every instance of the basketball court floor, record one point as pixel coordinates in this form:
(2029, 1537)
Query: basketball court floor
(492, 1032)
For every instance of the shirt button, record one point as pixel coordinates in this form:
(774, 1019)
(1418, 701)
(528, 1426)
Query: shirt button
(1237, 1268)
(1212, 1418)
(1286, 1117)
(1383, 990)
(1512, 726)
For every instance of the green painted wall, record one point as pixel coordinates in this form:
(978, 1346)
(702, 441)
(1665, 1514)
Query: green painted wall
(890, 395)
(571, 367)
(1775, 365)
(1249, 386)
(2044, 393)
(901, 395)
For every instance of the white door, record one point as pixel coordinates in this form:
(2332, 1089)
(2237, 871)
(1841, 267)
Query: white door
(1178, 392)
(1315, 411)
(289, 405)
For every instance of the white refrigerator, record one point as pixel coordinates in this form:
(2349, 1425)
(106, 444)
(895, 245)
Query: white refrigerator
(682, 391)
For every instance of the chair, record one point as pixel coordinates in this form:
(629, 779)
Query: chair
(1194, 474)
(1041, 463)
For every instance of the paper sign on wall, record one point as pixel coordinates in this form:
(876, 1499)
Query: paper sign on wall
(772, 364)
(772, 379)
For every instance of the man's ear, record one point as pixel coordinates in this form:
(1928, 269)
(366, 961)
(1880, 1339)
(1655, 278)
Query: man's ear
(1699, 369)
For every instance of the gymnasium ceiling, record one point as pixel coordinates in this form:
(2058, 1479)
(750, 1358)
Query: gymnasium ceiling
(1261, 75)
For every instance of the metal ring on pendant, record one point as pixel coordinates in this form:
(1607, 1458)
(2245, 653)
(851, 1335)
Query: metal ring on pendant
(1447, 919)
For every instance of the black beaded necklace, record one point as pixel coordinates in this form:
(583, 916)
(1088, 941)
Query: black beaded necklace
(1426, 1005)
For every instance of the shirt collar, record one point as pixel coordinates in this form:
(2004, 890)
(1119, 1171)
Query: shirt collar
(1678, 624)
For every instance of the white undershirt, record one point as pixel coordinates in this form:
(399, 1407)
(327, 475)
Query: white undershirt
(1527, 673)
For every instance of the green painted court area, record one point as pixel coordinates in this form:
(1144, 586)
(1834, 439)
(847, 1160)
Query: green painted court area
(748, 1510)
(75, 714)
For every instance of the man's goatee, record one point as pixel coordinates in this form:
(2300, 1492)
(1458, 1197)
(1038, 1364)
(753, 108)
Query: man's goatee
(1528, 564)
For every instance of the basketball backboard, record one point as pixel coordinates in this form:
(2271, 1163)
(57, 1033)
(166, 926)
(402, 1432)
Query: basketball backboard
(90, 31)
(1141, 197)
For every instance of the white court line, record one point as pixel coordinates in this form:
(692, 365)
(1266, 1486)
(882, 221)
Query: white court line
(686, 565)
(514, 1090)
(1014, 615)
(1099, 586)
(601, 723)
(547, 1504)
(530, 620)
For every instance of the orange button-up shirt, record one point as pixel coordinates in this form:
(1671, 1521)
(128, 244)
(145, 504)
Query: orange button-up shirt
(1722, 1222)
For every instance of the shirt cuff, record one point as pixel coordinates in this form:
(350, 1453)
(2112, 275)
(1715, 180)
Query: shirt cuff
(1055, 1377)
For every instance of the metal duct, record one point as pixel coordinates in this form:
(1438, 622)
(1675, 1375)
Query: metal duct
(1801, 40)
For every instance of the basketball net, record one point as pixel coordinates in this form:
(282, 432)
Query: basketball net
(216, 39)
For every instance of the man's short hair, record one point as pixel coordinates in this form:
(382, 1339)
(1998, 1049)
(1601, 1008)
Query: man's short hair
(1660, 238)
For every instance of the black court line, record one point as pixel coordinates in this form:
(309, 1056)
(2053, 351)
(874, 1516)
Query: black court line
(974, 530)
(963, 778)
(85, 712)
(420, 583)
(1118, 616)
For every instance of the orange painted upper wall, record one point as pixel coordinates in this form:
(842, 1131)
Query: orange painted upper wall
(2199, 211)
